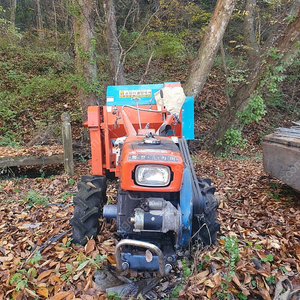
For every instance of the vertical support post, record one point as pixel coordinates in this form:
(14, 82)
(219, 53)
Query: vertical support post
(67, 143)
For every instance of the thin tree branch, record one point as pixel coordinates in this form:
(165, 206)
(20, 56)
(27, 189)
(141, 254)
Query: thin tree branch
(147, 69)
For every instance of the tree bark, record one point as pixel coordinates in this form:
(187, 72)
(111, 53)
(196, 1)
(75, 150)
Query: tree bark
(200, 68)
(55, 24)
(39, 21)
(117, 76)
(85, 54)
(13, 7)
(284, 41)
(222, 50)
(252, 47)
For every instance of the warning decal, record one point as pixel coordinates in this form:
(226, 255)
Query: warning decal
(135, 93)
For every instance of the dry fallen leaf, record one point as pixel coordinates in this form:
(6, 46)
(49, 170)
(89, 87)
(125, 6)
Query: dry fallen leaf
(43, 292)
(60, 296)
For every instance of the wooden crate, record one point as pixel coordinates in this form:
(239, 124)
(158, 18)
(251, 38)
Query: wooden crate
(281, 159)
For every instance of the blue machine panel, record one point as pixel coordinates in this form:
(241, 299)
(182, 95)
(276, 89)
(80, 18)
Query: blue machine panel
(124, 94)
(188, 118)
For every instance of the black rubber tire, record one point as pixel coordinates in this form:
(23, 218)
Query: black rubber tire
(205, 227)
(88, 206)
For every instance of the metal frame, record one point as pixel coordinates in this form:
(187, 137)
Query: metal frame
(163, 269)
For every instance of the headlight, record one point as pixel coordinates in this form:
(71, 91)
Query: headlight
(152, 175)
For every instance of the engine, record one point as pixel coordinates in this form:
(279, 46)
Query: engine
(148, 207)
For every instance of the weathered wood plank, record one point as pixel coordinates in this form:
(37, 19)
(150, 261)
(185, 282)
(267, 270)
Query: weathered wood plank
(31, 160)
(287, 141)
(283, 162)
(67, 143)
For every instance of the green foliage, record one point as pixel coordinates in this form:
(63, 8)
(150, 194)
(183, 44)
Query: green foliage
(86, 261)
(291, 18)
(268, 258)
(270, 280)
(231, 246)
(29, 79)
(33, 198)
(113, 295)
(71, 181)
(274, 53)
(167, 45)
(241, 296)
(175, 292)
(19, 280)
(256, 108)
(232, 138)
(185, 268)
(36, 258)
(66, 195)
(283, 268)
(9, 139)
(6, 28)
(68, 244)
(70, 273)
(225, 294)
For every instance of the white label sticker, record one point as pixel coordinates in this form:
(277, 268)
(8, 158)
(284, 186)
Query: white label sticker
(109, 99)
(108, 108)
(135, 93)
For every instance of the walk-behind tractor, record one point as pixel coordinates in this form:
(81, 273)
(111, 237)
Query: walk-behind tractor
(162, 208)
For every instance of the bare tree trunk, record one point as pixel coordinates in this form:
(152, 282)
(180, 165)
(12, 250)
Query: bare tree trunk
(13, 7)
(252, 47)
(284, 41)
(39, 21)
(85, 53)
(117, 76)
(55, 24)
(200, 68)
(225, 72)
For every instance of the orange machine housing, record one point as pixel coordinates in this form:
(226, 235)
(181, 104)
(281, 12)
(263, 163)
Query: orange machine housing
(135, 152)
(107, 123)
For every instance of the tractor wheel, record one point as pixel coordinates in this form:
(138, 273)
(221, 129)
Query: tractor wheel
(205, 226)
(88, 205)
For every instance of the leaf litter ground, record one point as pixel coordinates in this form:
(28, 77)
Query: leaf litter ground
(258, 215)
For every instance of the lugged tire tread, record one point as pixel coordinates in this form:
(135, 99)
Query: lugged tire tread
(209, 216)
(88, 204)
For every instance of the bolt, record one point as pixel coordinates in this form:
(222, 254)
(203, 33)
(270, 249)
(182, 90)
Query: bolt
(169, 258)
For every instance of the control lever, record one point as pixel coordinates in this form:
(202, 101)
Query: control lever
(138, 111)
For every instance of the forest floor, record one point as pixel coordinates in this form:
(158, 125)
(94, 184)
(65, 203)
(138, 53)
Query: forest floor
(258, 244)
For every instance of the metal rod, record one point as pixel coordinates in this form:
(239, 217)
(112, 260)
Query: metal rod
(154, 248)
(142, 109)
(138, 111)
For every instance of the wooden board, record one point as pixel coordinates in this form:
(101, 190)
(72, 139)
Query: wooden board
(281, 159)
(288, 141)
(31, 160)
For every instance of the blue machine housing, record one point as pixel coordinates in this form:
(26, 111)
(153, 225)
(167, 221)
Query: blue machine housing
(119, 95)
